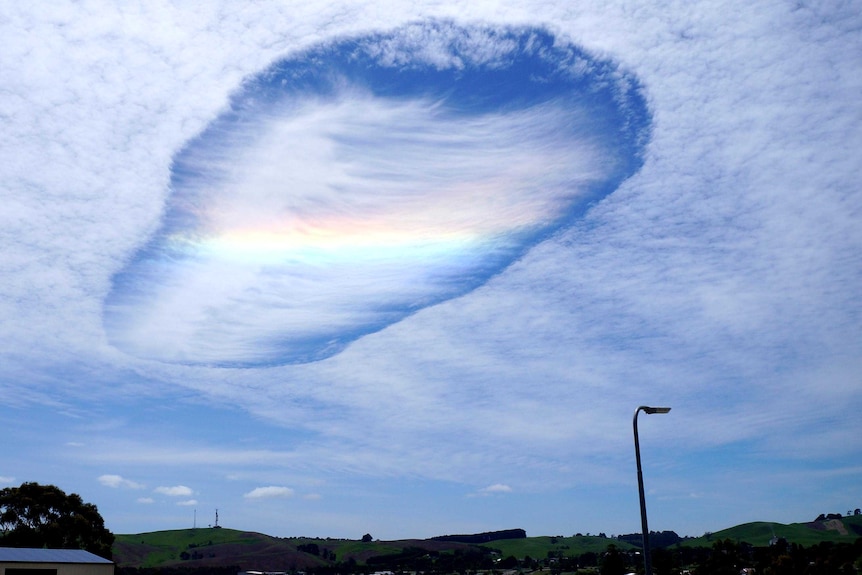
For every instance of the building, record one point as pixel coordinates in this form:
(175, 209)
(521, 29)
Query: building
(23, 561)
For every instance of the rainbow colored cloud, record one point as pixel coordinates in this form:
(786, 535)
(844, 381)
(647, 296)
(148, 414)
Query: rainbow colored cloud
(355, 183)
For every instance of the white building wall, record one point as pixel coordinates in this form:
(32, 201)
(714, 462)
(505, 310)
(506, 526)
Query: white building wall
(62, 568)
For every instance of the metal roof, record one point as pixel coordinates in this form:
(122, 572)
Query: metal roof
(29, 555)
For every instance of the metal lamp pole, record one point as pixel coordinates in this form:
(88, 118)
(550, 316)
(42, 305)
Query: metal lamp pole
(644, 527)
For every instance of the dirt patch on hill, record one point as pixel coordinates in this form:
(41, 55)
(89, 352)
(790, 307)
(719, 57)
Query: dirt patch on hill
(835, 525)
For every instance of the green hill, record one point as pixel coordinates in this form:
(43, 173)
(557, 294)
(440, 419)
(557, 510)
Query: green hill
(543, 547)
(846, 529)
(223, 547)
(210, 547)
(220, 547)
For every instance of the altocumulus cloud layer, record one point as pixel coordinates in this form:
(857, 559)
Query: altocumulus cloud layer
(721, 278)
(359, 181)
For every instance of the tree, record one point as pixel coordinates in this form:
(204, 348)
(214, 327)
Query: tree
(726, 558)
(35, 515)
(367, 538)
(612, 562)
(312, 548)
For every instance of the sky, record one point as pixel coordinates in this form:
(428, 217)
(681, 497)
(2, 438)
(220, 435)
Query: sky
(409, 268)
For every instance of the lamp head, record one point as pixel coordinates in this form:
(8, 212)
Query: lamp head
(652, 410)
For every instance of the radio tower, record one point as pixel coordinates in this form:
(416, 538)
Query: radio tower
(216, 522)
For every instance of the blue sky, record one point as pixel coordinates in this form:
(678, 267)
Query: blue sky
(408, 268)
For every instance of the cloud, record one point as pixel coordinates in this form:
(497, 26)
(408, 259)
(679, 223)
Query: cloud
(6, 479)
(328, 210)
(145, 500)
(495, 489)
(188, 503)
(117, 481)
(270, 492)
(175, 491)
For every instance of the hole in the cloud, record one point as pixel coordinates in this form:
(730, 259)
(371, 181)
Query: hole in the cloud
(362, 180)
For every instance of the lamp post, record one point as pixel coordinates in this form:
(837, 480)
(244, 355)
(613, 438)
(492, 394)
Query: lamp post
(644, 527)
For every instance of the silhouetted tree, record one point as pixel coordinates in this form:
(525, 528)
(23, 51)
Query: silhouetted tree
(612, 562)
(35, 515)
(311, 548)
(662, 562)
(723, 560)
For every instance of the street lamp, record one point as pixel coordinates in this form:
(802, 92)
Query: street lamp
(644, 528)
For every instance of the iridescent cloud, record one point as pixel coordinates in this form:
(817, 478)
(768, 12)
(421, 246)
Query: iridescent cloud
(353, 184)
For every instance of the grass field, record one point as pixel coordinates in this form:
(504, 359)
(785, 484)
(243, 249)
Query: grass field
(759, 533)
(219, 546)
(539, 547)
(160, 547)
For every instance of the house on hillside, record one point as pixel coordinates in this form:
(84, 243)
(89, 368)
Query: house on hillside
(25, 561)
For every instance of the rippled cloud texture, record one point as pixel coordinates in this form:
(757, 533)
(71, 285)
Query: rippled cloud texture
(408, 268)
(355, 183)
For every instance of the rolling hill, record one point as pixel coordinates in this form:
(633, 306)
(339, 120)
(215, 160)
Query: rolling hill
(221, 547)
(846, 529)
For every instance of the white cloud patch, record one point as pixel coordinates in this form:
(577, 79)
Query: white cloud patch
(270, 492)
(188, 502)
(145, 500)
(175, 491)
(117, 481)
(495, 489)
(6, 479)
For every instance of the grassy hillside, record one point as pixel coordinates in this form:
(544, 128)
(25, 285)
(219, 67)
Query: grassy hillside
(222, 547)
(539, 547)
(846, 529)
(209, 547)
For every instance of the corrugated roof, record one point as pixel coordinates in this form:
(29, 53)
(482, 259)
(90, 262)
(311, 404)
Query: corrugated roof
(28, 555)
